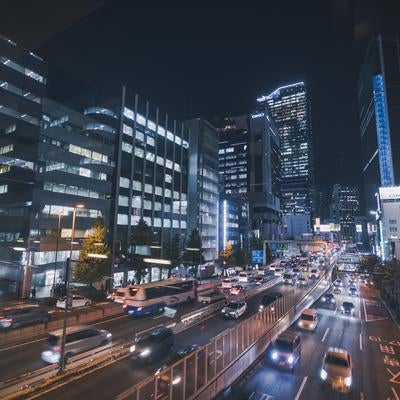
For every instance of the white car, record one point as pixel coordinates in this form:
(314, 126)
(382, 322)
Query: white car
(77, 301)
(227, 283)
(336, 369)
(234, 309)
(314, 274)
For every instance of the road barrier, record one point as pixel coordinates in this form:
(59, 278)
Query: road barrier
(215, 366)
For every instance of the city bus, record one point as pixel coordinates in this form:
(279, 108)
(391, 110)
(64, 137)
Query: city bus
(152, 297)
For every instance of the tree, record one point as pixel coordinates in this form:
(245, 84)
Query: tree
(141, 238)
(90, 269)
(226, 253)
(194, 255)
(391, 284)
(173, 252)
(240, 256)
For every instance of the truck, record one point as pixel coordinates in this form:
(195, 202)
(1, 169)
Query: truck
(210, 296)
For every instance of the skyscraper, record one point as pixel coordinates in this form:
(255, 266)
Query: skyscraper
(379, 112)
(345, 207)
(290, 109)
(249, 165)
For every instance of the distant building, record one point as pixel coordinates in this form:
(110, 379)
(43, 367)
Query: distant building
(388, 231)
(289, 107)
(203, 196)
(249, 164)
(345, 208)
(379, 112)
(296, 225)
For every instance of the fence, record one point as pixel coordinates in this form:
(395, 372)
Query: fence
(206, 372)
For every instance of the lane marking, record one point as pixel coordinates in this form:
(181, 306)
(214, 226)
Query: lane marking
(159, 316)
(45, 338)
(325, 334)
(365, 311)
(335, 310)
(301, 388)
(361, 347)
(359, 313)
(22, 344)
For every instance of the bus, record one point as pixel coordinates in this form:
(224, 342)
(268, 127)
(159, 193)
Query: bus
(152, 297)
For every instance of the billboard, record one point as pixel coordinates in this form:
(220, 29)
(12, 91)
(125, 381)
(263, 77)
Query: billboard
(389, 193)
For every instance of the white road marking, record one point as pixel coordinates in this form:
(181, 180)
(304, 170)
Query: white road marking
(361, 346)
(22, 344)
(39, 340)
(365, 311)
(325, 334)
(335, 310)
(362, 396)
(159, 316)
(301, 388)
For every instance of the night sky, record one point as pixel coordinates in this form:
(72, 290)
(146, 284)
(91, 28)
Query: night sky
(199, 60)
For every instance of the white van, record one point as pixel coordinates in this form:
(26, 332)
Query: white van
(279, 271)
(246, 276)
(308, 319)
(227, 283)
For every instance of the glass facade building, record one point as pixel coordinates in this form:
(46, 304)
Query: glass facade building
(249, 165)
(345, 208)
(150, 178)
(379, 114)
(203, 197)
(289, 107)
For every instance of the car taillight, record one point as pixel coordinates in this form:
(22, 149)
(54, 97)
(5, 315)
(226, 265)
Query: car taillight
(140, 308)
(124, 306)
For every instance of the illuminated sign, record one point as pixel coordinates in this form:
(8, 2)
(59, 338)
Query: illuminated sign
(259, 115)
(358, 228)
(257, 256)
(389, 193)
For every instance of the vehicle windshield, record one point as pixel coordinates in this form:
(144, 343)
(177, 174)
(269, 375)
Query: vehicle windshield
(133, 291)
(234, 305)
(284, 346)
(348, 305)
(334, 360)
(287, 276)
(306, 317)
(52, 340)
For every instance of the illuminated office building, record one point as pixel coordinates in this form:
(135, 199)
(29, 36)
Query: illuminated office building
(249, 165)
(379, 112)
(290, 109)
(345, 208)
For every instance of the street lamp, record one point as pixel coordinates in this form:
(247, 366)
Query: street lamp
(60, 215)
(67, 270)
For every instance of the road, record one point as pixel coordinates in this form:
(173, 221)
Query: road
(109, 381)
(372, 339)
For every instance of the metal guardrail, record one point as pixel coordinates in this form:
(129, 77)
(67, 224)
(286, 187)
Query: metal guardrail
(190, 377)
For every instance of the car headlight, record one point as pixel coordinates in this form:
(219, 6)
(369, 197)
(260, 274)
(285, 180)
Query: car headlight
(176, 380)
(261, 308)
(145, 353)
(347, 381)
(132, 348)
(312, 326)
(300, 323)
(342, 308)
(323, 298)
(323, 374)
(223, 311)
(108, 335)
(290, 359)
(274, 355)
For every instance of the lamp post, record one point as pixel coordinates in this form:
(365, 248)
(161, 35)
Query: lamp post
(67, 272)
(60, 215)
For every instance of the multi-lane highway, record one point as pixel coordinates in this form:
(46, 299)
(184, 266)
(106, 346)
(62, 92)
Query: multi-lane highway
(371, 338)
(110, 381)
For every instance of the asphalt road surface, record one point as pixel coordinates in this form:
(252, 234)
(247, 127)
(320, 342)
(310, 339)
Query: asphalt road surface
(371, 337)
(110, 381)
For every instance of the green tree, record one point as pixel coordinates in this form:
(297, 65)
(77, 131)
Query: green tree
(141, 239)
(90, 267)
(240, 256)
(173, 252)
(194, 256)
